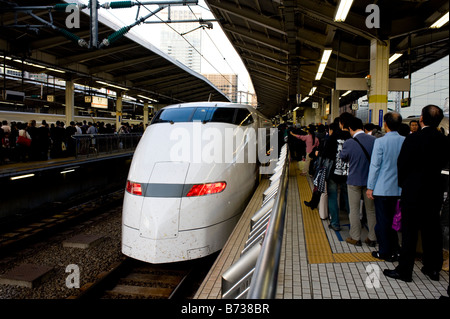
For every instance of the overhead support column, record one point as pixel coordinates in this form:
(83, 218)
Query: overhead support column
(379, 82)
(145, 114)
(334, 105)
(118, 110)
(70, 102)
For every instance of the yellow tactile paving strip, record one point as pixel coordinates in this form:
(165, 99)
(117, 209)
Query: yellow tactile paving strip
(317, 245)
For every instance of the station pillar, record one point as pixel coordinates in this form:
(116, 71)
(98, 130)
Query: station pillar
(70, 102)
(118, 110)
(379, 80)
(334, 105)
(145, 114)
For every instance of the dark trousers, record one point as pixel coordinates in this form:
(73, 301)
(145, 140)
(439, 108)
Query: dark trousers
(386, 236)
(427, 220)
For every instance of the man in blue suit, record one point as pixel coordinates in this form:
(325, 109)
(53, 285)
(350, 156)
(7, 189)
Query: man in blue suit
(422, 157)
(382, 186)
(357, 151)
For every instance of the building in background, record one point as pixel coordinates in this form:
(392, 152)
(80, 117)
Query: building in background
(227, 83)
(186, 50)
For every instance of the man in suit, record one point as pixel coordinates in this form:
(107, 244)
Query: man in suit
(422, 157)
(382, 186)
(357, 151)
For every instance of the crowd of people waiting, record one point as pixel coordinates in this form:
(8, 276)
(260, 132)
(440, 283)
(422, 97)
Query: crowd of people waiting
(22, 142)
(395, 171)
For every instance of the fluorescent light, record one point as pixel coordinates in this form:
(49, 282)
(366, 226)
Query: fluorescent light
(343, 9)
(21, 176)
(313, 89)
(148, 98)
(439, 23)
(114, 86)
(394, 57)
(296, 108)
(326, 56)
(346, 93)
(323, 63)
(67, 171)
(305, 99)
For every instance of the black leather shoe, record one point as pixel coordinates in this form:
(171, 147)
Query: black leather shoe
(433, 275)
(395, 275)
(307, 203)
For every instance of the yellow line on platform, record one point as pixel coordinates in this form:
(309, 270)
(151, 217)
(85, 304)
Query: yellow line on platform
(317, 244)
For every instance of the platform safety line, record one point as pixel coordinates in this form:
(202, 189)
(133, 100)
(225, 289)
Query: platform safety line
(317, 245)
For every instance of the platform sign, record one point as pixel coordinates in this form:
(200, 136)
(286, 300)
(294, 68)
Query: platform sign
(99, 102)
(405, 102)
(50, 98)
(315, 105)
(88, 99)
(355, 106)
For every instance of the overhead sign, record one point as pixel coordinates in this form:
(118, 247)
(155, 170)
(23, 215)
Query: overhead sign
(405, 102)
(99, 102)
(315, 105)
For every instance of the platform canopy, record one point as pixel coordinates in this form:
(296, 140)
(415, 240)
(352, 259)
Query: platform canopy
(130, 64)
(281, 42)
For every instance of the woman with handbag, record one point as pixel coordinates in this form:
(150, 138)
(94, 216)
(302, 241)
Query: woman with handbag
(23, 142)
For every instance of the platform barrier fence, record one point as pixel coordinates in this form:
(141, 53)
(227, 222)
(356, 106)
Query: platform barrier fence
(93, 145)
(254, 275)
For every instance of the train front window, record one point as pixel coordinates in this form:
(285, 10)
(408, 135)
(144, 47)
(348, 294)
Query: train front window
(183, 114)
(228, 115)
(223, 115)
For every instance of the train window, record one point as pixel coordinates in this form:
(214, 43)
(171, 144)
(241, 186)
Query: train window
(243, 117)
(182, 114)
(235, 116)
(223, 115)
(202, 114)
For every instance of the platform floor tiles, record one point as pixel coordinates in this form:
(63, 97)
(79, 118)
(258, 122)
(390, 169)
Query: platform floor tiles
(316, 262)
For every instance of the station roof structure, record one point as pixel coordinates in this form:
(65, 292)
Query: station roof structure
(130, 64)
(281, 42)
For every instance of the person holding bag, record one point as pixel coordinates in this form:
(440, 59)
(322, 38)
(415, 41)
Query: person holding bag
(23, 142)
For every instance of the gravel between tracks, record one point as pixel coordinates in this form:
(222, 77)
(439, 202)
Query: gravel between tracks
(50, 252)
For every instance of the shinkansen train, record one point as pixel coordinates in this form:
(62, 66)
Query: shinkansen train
(190, 179)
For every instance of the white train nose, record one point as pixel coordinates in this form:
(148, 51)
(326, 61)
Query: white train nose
(161, 206)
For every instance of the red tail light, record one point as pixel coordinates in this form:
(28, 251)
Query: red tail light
(134, 188)
(206, 189)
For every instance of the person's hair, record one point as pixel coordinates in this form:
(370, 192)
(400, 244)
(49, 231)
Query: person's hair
(403, 129)
(393, 120)
(369, 126)
(345, 118)
(334, 127)
(356, 124)
(432, 115)
(414, 121)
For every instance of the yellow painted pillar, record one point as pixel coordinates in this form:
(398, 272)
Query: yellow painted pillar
(70, 102)
(379, 80)
(145, 114)
(118, 110)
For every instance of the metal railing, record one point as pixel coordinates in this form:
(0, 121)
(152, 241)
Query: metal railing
(254, 275)
(93, 145)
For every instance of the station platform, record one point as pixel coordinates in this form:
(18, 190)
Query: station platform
(22, 168)
(317, 262)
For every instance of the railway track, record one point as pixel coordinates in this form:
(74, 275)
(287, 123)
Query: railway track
(132, 279)
(36, 229)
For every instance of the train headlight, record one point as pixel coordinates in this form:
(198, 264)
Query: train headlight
(206, 189)
(134, 188)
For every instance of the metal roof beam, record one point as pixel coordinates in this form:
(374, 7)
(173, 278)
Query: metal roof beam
(123, 64)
